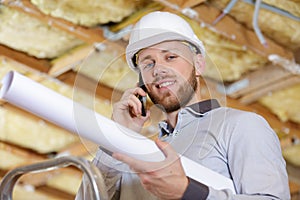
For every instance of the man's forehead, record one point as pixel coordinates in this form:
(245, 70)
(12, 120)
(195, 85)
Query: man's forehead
(168, 46)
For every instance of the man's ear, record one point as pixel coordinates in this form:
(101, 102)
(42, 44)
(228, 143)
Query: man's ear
(199, 64)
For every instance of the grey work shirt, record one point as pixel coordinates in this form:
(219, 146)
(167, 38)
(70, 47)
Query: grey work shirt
(237, 144)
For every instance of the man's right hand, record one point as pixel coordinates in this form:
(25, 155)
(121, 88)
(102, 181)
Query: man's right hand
(128, 111)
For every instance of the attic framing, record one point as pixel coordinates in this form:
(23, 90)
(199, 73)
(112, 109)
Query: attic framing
(260, 82)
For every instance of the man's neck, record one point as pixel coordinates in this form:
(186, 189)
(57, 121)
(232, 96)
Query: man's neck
(172, 117)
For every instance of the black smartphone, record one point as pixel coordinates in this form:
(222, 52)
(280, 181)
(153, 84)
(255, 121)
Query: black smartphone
(143, 99)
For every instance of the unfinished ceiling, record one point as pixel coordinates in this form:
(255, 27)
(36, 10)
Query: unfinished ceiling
(255, 63)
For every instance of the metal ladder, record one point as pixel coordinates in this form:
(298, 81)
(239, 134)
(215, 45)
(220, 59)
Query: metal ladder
(96, 187)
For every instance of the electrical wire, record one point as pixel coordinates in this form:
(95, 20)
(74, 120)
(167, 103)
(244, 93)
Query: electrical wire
(257, 5)
(225, 11)
(255, 24)
(275, 10)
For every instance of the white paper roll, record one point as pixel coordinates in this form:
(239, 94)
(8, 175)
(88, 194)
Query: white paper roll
(64, 112)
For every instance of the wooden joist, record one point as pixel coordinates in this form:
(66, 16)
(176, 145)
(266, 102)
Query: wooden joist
(256, 80)
(84, 148)
(181, 3)
(275, 86)
(27, 156)
(70, 60)
(72, 78)
(41, 65)
(261, 82)
(191, 3)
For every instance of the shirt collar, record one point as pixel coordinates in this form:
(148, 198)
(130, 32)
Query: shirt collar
(198, 109)
(204, 106)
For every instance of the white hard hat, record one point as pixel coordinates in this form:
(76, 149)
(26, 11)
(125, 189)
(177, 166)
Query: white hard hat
(157, 27)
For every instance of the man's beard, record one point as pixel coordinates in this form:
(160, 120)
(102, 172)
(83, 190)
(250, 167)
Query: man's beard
(171, 102)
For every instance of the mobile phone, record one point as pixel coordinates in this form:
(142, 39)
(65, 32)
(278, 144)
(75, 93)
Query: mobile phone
(143, 99)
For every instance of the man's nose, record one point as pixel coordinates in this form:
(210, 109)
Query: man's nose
(160, 69)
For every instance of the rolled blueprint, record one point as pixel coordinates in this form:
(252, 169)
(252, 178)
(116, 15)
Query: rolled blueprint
(76, 118)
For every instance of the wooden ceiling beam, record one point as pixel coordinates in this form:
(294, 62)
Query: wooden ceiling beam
(83, 148)
(281, 84)
(191, 3)
(257, 80)
(181, 3)
(89, 35)
(42, 65)
(102, 90)
(70, 60)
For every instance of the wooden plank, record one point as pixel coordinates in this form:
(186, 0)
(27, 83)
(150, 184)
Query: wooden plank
(180, 3)
(55, 194)
(293, 172)
(83, 148)
(37, 193)
(236, 32)
(297, 55)
(256, 80)
(31, 72)
(174, 4)
(294, 187)
(28, 155)
(102, 90)
(41, 65)
(89, 35)
(76, 56)
(68, 61)
(281, 84)
(41, 178)
(191, 3)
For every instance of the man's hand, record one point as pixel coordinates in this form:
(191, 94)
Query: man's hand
(165, 179)
(128, 110)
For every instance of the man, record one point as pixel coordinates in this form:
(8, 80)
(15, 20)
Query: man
(240, 145)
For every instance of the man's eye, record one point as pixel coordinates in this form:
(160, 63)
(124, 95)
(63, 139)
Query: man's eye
(171, 57)
(149, 65)
(144, 66)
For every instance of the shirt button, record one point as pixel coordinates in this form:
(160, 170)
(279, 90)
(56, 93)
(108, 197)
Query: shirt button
(182, 112)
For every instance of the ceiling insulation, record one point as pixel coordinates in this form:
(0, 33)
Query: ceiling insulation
(226, 60)
(25, 33)
(284, 103)
(13, 156)
(107, 65)
(89, 12)
(68, 182)
(21, 128)
(291, 154)
(21, 191)
(291, 6)
(281, 29)
(9, 160)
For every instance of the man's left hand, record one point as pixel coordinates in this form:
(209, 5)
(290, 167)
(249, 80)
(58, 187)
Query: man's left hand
(165, 179)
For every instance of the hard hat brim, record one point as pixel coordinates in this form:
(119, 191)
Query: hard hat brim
(132, 49)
